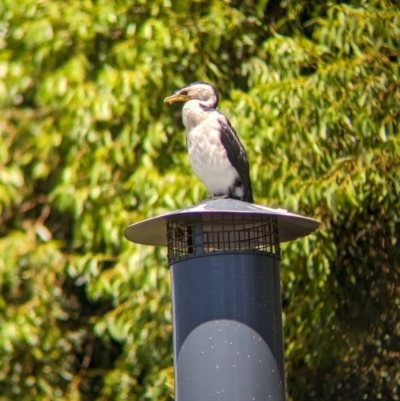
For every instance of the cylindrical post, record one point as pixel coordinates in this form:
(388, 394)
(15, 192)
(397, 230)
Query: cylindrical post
(226, 309)
(224, 262)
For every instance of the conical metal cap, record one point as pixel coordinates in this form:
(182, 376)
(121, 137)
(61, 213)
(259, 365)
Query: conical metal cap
(154, 231)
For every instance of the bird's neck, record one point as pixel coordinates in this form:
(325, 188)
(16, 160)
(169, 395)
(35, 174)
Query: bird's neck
(194, 112)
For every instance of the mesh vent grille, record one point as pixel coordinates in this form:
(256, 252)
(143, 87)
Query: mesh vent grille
(193, 236)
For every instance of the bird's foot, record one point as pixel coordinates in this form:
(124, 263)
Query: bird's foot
(215, 198)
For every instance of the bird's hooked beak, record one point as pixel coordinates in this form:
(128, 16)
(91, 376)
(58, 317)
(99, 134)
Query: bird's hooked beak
(177, 97)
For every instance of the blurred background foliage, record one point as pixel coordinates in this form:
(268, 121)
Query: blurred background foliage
(87, 147)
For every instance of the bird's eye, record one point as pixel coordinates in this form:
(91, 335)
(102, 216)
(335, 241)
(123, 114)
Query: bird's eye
(184, 93)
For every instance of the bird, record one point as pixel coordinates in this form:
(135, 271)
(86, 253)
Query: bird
(216, 154)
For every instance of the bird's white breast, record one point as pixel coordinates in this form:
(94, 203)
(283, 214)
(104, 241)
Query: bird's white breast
(207, 154)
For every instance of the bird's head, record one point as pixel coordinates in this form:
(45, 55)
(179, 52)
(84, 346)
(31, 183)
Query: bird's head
(206, 94)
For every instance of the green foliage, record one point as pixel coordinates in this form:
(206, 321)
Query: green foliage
(87, 147)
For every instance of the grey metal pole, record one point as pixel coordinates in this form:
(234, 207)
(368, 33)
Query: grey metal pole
(227, 328)
(227, 319)
(226, 308)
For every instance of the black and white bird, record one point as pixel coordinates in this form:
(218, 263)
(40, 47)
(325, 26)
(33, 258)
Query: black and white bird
(215, 152)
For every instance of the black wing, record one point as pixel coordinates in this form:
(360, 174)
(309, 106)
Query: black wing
(236, 155)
